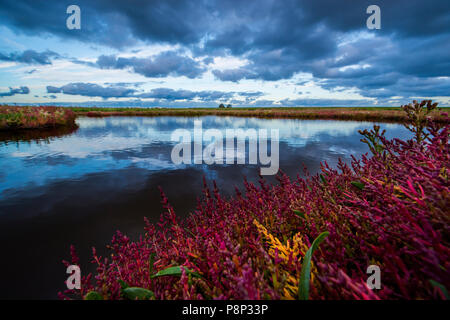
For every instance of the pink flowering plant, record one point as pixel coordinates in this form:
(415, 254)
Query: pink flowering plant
(306, 238)
(12, 118)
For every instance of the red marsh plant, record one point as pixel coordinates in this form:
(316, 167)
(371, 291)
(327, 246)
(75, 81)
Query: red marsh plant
(307, 238)
(384, 114)
(13, 118)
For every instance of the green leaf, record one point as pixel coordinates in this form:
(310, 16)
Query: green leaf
(440, 286)
(151, 263)
(305, 274)
(322, 177)
(123, 284)
(300, 214)
(358, 184)
(174, 271)
(93, 295)
(135, 293)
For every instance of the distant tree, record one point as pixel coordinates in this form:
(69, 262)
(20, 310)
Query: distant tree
(221, 105)
(229, 106)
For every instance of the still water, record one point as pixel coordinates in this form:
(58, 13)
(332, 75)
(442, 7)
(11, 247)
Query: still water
(80, 187)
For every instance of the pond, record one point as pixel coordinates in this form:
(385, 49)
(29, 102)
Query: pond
(80, 187)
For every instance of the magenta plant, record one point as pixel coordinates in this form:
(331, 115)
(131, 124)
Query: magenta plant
(388, 209)
(12, 118)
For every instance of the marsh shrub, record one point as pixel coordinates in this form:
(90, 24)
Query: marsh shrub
(35, 117)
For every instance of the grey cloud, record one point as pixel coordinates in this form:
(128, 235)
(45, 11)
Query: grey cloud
(165, 64)
(119, 90)
(327, 102)
(278, 38)
(52, 89)
(30, 57)
(14, 91)
(230, 24)
(234, 75)
(171, 94)
(92, 90)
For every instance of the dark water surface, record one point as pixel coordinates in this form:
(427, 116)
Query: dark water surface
(80, 188)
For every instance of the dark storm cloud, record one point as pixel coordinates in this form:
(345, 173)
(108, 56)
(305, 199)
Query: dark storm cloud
(165, 64)
(126, 84)
(307, 40)
(307, 26)
(234, 75)
(253, 94)
(52, 89)
(114, 23)
(277, 38)
(392, 84)
(206, 95)
(171, 94)
(30, 57)
(326, 102)
(92, 90)
(412, 87)
(14, 91)
(122, 90)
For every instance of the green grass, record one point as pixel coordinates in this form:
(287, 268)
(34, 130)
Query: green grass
(120, 109)
(383, 114)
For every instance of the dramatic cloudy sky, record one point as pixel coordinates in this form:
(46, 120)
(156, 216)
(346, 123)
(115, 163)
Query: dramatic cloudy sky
(243, 52)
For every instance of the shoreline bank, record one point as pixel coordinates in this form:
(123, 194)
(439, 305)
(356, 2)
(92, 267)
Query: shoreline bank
(342, 113)
(13, 118)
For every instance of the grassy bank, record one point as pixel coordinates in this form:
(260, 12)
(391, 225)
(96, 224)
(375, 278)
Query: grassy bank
(39, 117)
(382, 114)
(19, 118)
(307, 238)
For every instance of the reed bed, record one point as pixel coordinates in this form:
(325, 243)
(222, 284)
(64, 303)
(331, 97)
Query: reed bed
(17, 118)
(355, 114)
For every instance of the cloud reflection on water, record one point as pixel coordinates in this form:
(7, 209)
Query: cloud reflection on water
(116, 143)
